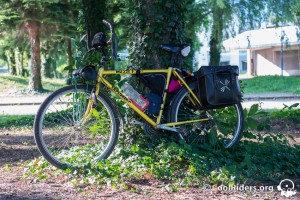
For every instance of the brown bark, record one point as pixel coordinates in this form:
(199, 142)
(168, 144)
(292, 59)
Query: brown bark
(216, 37)
(22, 63)
(151, 19)
(69, 51)
(13, 69)
(35, 81)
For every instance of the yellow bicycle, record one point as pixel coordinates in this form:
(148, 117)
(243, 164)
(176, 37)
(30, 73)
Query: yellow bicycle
(80, 123)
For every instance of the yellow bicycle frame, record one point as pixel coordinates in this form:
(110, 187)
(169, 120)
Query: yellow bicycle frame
(101, 80)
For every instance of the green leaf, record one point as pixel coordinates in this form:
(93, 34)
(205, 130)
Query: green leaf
(253, 110)
(294, 105)
(252, 123)
(95, 113)
(249, 135)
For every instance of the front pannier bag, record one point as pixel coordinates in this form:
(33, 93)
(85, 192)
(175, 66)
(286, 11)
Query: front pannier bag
(218, 86)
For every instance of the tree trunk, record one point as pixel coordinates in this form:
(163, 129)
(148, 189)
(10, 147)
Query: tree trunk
(69, 51)
(47, 67)
(155, 23)
(35, 81)
(93, 12)
(22, 63)
(54, 69)
(13, 70)
(216, 37)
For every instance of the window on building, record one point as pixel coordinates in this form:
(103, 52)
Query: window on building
(244, 66)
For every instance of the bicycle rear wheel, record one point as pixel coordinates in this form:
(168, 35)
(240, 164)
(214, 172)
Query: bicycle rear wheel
(223, 129)
(60, 136)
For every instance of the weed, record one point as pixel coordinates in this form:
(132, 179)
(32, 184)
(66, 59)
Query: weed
(263, 158)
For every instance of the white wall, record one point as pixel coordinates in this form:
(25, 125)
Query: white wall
(267, 61)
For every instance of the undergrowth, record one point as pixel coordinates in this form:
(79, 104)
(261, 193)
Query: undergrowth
(257, 159)
(267, 160)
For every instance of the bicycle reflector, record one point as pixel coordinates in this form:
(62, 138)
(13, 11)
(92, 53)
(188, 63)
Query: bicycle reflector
(87, 73)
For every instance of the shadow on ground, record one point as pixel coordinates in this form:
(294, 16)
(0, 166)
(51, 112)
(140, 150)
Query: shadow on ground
(17, 146)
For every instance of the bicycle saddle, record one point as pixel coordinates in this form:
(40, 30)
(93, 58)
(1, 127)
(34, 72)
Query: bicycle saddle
(184, 48)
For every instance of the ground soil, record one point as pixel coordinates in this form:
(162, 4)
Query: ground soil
(17, 146)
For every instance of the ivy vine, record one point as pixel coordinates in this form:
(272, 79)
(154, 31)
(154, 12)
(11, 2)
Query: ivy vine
(156, 22)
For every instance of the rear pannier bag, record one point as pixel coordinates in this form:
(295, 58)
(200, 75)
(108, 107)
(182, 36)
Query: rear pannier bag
(218, 86)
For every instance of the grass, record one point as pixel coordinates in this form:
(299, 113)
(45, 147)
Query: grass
(8, 121)
(9, 83)
(271, 84)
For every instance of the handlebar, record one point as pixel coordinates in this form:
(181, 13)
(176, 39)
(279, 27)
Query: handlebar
(113, 41)
(109, 24)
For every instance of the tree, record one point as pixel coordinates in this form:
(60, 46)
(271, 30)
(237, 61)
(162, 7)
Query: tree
(32, 16)
(93, 13)
(9, 52)
(153, 23)
(282, 12)
(248, 13)
(220, 14)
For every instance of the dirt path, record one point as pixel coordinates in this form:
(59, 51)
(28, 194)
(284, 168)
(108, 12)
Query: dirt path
(17, 146)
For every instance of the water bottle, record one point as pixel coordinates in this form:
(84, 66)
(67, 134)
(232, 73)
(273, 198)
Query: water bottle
(136, 98)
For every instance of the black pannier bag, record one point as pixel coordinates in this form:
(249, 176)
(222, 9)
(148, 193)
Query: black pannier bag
(218, 86)
(155, 82)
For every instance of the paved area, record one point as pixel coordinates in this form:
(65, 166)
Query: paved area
(28, 105)
(270, 96)
(23, 105)
(271, 104)
(271, 100)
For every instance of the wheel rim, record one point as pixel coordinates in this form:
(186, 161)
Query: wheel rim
(222, 130)
(62, 136)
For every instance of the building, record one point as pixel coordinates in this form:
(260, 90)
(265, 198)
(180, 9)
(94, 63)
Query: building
(270, 51)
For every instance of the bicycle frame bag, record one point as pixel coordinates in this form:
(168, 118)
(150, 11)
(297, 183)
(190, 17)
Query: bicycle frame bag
(154, 105)
(218, 86)
(155, 82)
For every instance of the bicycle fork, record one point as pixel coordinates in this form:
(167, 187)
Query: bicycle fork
(89, 109)
(92, 99)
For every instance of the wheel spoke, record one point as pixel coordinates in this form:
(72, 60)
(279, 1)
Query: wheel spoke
(59, 135)
(224, 129)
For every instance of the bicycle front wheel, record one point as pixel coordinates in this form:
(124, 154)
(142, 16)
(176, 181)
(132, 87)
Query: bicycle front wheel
(63, 139)
(223, 127)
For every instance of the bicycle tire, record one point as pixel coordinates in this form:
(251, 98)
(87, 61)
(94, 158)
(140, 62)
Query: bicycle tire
(58, 134)
(224, 129)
